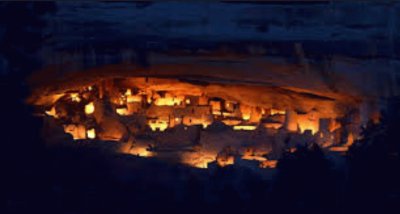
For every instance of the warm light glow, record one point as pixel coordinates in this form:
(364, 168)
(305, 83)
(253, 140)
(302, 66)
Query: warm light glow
(216, 112)
(273, 125)
(339, 148)
(246, 116)
(225, 160)
(246, 111)
(308, 122)
(201, 164)
(269, 164)
(75, 97)
(227, 114)
(308, 126)
(158, 125)
(122, 111)
(215, 107)
(128, 92)
(168, 100)
(229, 122)
(140, 151)
(89, 108)
(134, 98)
(244, 127)
(253, 157)
(77, 131)
(333, 125)
(196, 121)
(91, 133)
(350, 140)
(203, 100)
(199, 159)
(277, 111)
(52, 112)
(208, 119)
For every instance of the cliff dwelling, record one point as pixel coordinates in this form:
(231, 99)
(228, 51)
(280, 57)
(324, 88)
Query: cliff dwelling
(196, 120)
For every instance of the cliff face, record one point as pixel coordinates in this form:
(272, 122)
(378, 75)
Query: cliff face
(333, 36)
(330, 47)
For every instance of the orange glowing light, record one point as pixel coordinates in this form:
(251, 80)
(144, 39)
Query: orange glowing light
(168, 101)
(253, 157)
(350, 140)
(339, 148)
(227, 114)
(273, 125)
(128, 92)
(223, 161)
(202, 165)
(277, 111)
(160, 125)
(91, 133)
(75, 97)
(308, 122)
(133, 99)
(246, 111)
(215, 107)
(333, 125)
(230, 122)
(308, 126)
(244, 127)
(122, 111)
(172, 104)
(196, 121)
(52, 112)
(141, 151)
(199, 159)
(89, 108)
(77, 131)
(269, 164)
(246, 116)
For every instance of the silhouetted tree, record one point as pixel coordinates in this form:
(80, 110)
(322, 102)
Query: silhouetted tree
(305, 182)
(374, 172)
